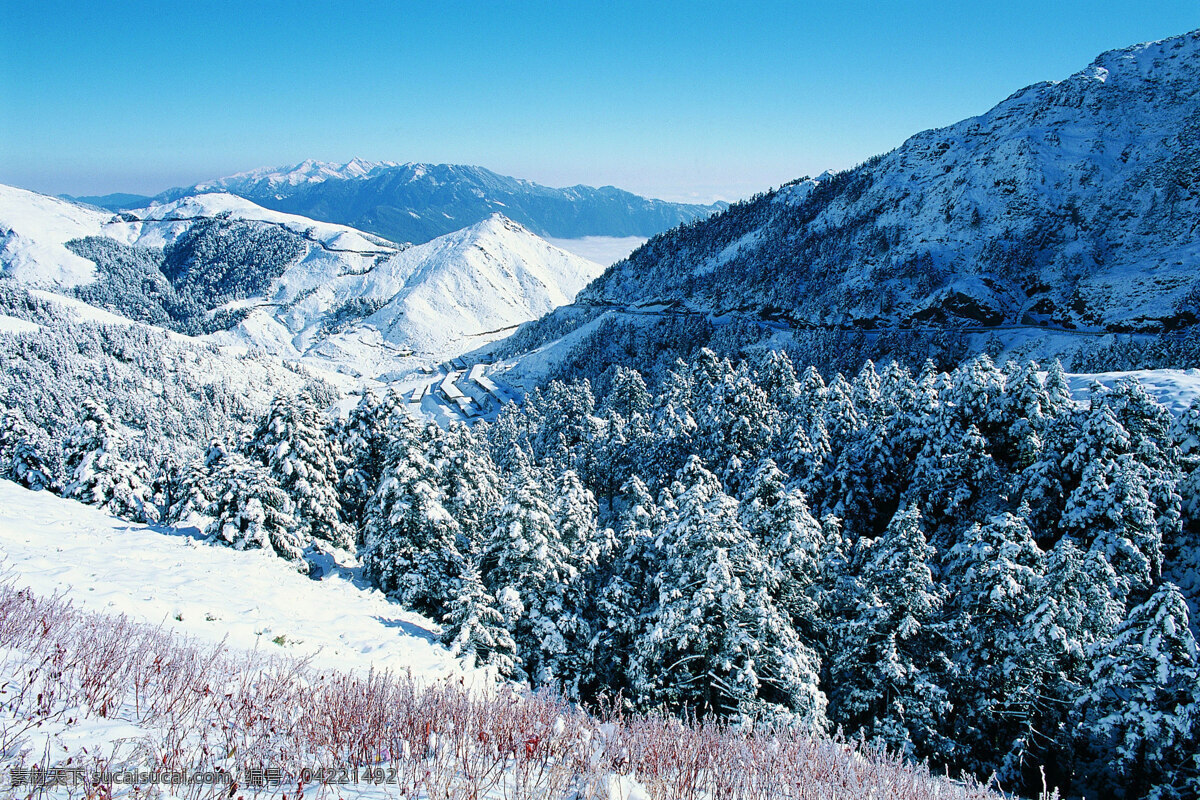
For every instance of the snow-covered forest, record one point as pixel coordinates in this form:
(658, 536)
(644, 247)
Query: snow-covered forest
(967, 567)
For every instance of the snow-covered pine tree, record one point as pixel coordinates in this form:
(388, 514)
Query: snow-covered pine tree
(810, 396)
(411, 542)
(995, 577)
(954, 480)
(805, 454)
(864, 390)
(363, 440)
(1186, 550)
(974, 386)
(1142, 708)
(1019, 417)
(19, 458)
(1109, 507)
(251, 511)
(790, 538)
(714, 641)
(627, 394)
(98, 473)
(841, 417)
(528, 567)
(574, 513)
(293, 444)
(1077, 608)
(1058, 391)
(474, 627)
(1149, 425)
(865, 485)
(736, 424)
(471, 484)
(889, 671)
(200, 485)
(777, 377)
(675, 426)
(620, 601)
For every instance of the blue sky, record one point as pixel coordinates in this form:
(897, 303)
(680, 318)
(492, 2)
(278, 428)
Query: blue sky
(680, 100)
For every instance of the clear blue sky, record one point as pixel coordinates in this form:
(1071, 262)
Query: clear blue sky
(681, 100)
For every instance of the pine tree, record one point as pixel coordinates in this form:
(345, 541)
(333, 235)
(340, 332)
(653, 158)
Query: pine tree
(995, 582)
(99, 473)
(627, 395)
(251, 511)
(364, 441)
(470, 481)
(528, 567)
(889, 665)
(778, 520)
(955, 480)
(411, 542)
(714, 640)
(1142, 707)
(474, 627)
(621, 599)
(1077, 609)
(292, 443)
(19, 458)
(1020, 417)
(200, 486)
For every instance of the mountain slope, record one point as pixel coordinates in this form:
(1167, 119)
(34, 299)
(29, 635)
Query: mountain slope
(1071, 204)
(295, 287)
(418, 202)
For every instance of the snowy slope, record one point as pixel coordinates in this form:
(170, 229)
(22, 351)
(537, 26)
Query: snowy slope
(208, 592)
(434, 301)
(33, 228)
(164, 222)
(487, 278)
(269, 179)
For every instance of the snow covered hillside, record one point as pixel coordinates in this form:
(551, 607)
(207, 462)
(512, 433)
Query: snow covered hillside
(33, 231)
(297, 288)
(174, 655)
(172, 578)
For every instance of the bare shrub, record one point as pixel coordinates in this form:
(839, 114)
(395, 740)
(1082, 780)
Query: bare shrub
(207, 707)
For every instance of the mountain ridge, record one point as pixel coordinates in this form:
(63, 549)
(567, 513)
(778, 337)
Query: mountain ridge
(417, 202)
(1068, 205)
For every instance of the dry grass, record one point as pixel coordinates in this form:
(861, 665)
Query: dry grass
(212, 708)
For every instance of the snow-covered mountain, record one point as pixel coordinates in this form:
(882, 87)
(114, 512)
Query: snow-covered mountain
(419, 202)
(290, 285)
(280, 179)
(1071, 204)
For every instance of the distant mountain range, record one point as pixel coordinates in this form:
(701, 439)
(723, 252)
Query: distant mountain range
(419, 202)
(1072, 204)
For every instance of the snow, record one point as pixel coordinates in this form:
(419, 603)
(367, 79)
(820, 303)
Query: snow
(186, 209)
(33, 229)
(420, 305)
(14, 325)
(459, 291)
(308, 171)
(208, 592)
(1175, 389)
(1065, 196)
